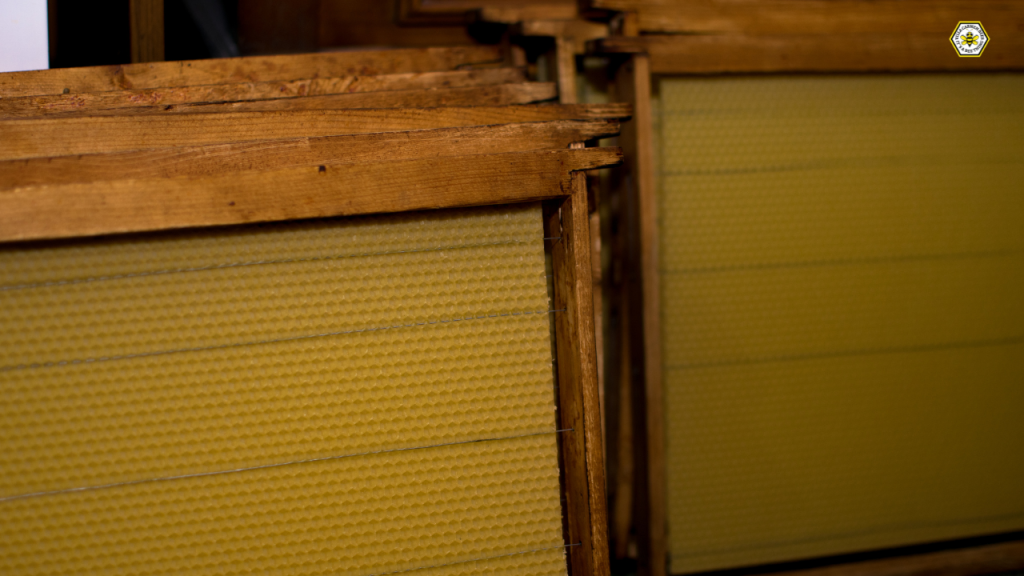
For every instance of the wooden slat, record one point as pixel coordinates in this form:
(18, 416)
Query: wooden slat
(874, 19)
(579, 408)
(499, 95)
(633, 84)
(118, 206)
(565, 70)
(200, 161)
(512, 13)
(246, 69)
(147, 30)
(27, 106)
(991, 559)
(51, 137)
(709, 54)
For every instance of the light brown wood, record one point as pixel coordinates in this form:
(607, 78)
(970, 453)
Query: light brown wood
(246, 69)
(633, 84)
(710, 54)
(872, 19)
(21, 139)
(27, 106)
(200, 161)
(510, 14)
(119, 206)
(565, 70)
(990, 559)
(579, 409)
(147, 30)
(497, 95)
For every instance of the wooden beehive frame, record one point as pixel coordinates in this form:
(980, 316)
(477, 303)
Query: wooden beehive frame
(702, 37)
(230, 168)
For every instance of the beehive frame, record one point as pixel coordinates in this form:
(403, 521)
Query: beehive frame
(554, 179)
(282, 166)
(763, 38)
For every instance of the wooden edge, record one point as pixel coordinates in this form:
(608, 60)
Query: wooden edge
(147, 30)
(244, 69)
(22, 106)
(567, 221)
(121, 206)
(565, 70)
(197, 161)
(490, 95)
(735, 53)
(976, 560)
(633, 83)
(514, 14)
(830, 17)
(21, 139)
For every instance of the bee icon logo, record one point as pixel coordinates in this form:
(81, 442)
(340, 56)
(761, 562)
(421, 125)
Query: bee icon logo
(969, 39)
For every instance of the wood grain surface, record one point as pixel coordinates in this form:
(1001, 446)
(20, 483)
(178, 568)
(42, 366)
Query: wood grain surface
(195, 161)
(21, 139)
(147, 204)
(91, 102)
(245, 69)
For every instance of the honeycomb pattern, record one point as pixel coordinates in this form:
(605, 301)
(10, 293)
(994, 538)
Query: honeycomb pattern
(191, 354)
(842, 263)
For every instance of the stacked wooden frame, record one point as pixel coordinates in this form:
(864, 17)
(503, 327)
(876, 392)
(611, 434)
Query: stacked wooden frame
(149, 147)
(653, 38)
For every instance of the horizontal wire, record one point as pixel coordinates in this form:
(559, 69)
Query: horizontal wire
(266, 466)
(478, 559)
(16, 367)
(825, 263)
(248, 263)
(965, 344)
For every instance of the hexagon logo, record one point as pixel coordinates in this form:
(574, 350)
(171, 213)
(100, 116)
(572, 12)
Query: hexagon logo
(969, 39)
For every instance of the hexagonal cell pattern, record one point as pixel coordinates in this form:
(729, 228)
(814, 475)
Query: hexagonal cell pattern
(842, 264)
(297, 398)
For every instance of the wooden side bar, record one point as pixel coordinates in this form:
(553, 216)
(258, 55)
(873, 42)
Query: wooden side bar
(633, 85)
(568, 221)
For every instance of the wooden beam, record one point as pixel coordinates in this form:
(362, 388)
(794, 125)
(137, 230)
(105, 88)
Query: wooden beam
(821, 17)
(245, 69)
(733, 53)
(147, 30)
(579, 408)
(990, 559)
(633, 85)
(565, 70)
(512, 13)
(119, 206)
(198, 161)
(28, 106)
(21, 139)
(497, 95)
